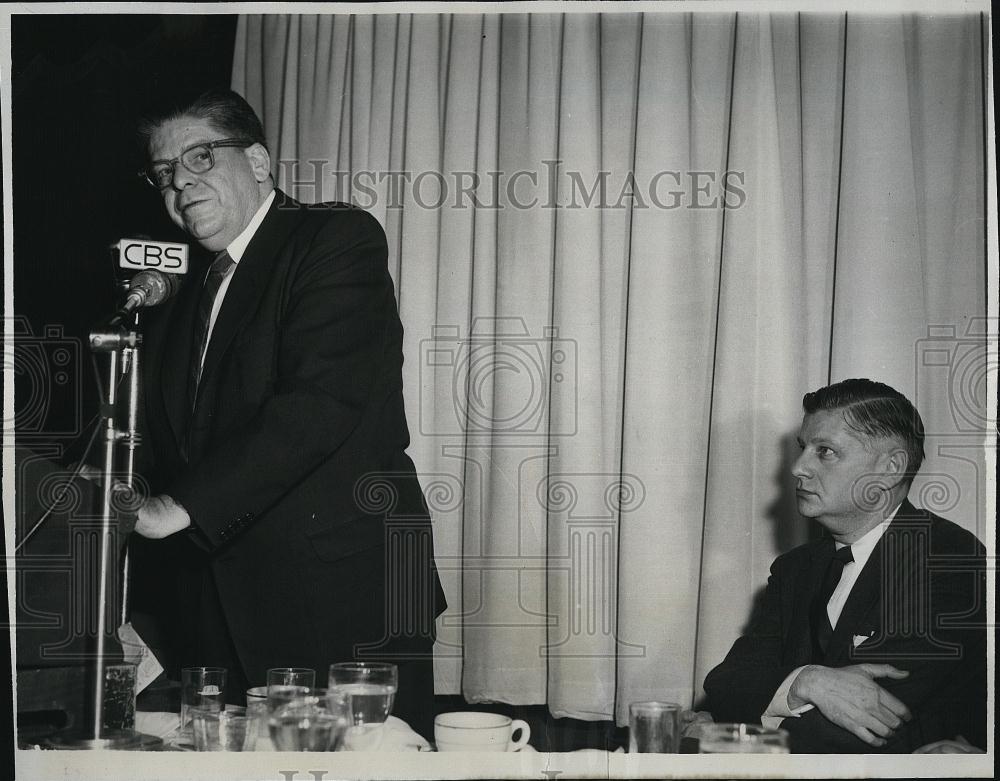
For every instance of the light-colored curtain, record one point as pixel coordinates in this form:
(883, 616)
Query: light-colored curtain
(624, 246)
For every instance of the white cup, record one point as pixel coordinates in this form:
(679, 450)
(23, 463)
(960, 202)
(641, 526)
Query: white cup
(478, 731)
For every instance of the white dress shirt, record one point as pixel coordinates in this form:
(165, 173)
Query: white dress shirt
(861, 549)
(235, 250)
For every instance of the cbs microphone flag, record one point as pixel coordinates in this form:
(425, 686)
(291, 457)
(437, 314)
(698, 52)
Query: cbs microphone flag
(141, 254)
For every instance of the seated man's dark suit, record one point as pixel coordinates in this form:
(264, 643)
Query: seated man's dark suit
(310, 540)
(920, 602)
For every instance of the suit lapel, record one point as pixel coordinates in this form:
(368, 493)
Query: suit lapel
(800, 650)
(249, 280)
(876, 585)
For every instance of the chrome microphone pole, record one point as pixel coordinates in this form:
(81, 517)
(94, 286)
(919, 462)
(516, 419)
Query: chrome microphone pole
(119, 337)
(131, 439)
(122, 347)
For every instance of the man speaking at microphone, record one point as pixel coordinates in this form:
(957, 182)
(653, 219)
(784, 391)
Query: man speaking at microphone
(275, 427)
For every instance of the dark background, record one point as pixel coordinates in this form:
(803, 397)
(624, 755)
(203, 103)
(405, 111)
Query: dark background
(79, 84)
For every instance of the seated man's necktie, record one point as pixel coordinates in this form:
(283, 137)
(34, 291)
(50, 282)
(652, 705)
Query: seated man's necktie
(819, 619)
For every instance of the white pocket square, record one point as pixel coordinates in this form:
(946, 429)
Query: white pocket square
(859, 639)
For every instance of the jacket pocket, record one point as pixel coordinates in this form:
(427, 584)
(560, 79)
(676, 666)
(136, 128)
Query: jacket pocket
(338, 541)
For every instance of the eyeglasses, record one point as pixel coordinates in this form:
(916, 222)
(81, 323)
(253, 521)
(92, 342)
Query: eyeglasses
(197, 159)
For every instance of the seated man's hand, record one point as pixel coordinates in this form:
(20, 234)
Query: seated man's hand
(161, 516)
(850, 698)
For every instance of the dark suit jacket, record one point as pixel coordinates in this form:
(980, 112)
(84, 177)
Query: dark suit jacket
(310, 533)
(920, 602)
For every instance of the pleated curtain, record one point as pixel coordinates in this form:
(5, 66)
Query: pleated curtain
(624, 246)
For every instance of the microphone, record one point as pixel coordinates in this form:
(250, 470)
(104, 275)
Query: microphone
(149, 288)
(160, 268)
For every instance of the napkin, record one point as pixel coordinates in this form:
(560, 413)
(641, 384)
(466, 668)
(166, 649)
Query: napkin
(400, 737)
(157, 723)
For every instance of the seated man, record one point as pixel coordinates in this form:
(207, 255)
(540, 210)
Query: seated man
(872, 638)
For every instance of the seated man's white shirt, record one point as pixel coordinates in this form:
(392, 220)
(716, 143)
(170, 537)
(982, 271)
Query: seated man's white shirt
(778, 708)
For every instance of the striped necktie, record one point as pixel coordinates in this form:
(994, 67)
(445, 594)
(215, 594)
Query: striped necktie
(216, 274)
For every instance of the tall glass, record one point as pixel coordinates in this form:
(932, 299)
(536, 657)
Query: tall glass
(741, 739)
(654, 728)
(203, 688)
(369, 689)
(118, 711)
(257, 713)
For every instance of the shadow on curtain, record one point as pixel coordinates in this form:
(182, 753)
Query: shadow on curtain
(624, 246)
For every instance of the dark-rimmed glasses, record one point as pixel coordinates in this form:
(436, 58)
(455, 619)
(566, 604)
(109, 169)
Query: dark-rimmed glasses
(197, 159)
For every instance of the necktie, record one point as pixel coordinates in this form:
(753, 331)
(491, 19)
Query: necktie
(819, 619)
(216, 274)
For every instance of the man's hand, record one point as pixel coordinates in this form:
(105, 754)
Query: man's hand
(850, 698)
(161, 516)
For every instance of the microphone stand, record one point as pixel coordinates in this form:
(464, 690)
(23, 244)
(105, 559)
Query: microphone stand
(122, 346)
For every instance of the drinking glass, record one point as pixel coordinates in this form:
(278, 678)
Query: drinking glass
(741, 739)
(226, 730)
(369, 689)
(118, 699)
(654, 728)
(291, 676)
(308, 720)
(203, 688)
(257, 713)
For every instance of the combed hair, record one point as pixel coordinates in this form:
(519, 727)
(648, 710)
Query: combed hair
(224, 109)
(875, 410)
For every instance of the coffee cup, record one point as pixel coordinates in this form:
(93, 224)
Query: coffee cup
(478, 731)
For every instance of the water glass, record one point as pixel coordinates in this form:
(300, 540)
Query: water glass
(257, 713)
(286, 683)
(291, 676)
(203, 688)
(226, 730)
(654, 728)
(369, 689)
(308, 721)
(741, 739)
(118, 697)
